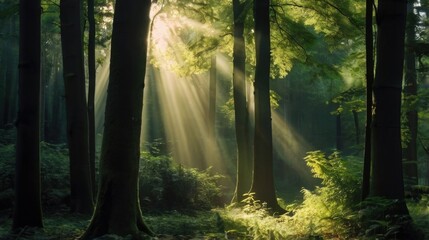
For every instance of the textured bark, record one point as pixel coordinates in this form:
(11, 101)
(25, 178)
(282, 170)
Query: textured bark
(241, 113)
(81, 198)
(28, 211)
(118, 209)
(369, 47)
(263, 179)
(387, 180)
(410, 93)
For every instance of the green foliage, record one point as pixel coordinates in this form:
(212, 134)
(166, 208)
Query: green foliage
(54, 174)
(167, 186)
(327, 211)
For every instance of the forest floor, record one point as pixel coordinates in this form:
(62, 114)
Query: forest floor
(62, 225)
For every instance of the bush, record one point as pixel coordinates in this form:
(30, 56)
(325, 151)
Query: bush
(168, 186)
(54, 174)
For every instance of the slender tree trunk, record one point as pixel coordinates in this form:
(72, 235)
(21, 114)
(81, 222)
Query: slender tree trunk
(357, 129)
(410, 93)
(28, 210)
(387, 180)
(77, 115)
(244, 163)
(212, 100)
(339, 134)
(91, 92)
(118, 209)
(369, 45)
(263, 177)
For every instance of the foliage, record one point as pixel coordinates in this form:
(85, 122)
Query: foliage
(54, 174)
(328, 211)
(167, 186)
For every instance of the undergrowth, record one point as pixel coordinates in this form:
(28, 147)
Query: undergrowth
(332, 210)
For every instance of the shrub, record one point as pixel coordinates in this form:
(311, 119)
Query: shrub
(168, 186)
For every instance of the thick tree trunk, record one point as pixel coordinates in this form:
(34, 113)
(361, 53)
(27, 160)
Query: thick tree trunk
(369, 47)
(387, 180)
(410, 93)
(28, 211)
(76, 109)
(118, 209)
(244, 162)
(263, 179)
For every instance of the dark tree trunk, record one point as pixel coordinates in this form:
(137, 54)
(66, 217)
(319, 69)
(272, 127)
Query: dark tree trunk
(244, 162)
(28, 210)
(410, 93)
(387, 180)
(118, 209)
(91, 91)
(81, 197)
(263, 179)
(369, 46)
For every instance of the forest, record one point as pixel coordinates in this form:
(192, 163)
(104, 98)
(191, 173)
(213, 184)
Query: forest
(204, 119)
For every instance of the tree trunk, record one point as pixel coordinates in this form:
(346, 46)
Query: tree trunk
(91, 92)
(118, 209)
(263, 179)
(339, 134)
(244, 163)
(369, 45)
(356, 122)
(28, 210)
(387, 180)
(81, 199)
(212, 101)
(410, 93)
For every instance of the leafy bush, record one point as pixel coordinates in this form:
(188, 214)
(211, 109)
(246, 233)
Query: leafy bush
(167, 186)
(54, 174)
(327, 211)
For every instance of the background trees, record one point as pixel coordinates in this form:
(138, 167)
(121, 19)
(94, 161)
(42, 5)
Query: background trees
(313, 76)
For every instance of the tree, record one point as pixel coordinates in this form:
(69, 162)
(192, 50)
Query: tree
(241, 113)
(28, 210)
(91, 92)
(263, 179)
(76, 108)
(118, 209)
(410, 95)
(369, 48)
(387, 180)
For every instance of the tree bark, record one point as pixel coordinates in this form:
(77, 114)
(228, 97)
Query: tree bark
(81, 198)
(28, 210)
(118, 209)
(410, 93)
(387, 180)
(263, 179)
(241, 112)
